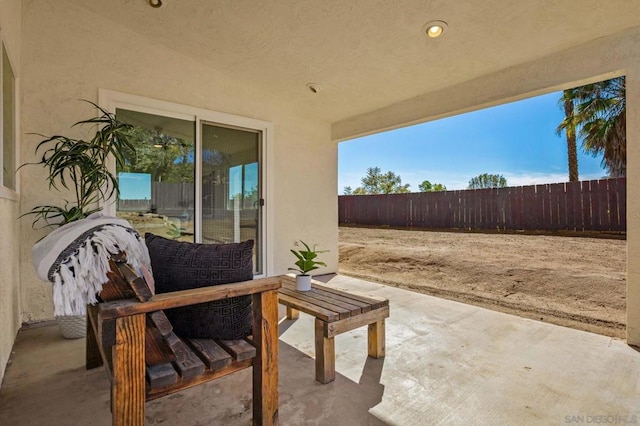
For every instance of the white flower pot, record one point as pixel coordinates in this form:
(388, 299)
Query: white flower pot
(303, 282)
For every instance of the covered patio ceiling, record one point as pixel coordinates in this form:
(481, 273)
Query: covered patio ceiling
(365, 54)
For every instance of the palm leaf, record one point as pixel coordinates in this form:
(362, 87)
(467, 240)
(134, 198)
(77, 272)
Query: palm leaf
(82, 166)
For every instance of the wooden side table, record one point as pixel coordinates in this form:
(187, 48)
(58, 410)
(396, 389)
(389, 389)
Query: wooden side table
(335, 312)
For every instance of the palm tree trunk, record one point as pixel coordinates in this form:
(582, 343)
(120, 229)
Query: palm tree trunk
(572, 153)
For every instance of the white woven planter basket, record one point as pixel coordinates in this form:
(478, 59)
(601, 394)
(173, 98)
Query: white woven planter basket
(72, 326)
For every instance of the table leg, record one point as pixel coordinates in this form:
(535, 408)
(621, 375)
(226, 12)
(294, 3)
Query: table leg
(376, 339)
(292, 313)
(325, 355)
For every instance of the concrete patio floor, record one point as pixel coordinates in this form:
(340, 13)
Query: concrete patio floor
(446, 363)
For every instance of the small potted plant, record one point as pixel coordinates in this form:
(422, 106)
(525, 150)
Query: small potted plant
(306, 263)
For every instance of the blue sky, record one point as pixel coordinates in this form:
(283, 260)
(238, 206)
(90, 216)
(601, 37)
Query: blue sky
(516, 140)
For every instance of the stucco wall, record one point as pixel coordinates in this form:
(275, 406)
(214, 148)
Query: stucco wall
(9, 241)
(68, 54)
(598, 60)
(9, 280)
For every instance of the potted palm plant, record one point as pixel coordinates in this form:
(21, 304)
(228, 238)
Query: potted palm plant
(306, 263)
(75, 255)
(82, 166)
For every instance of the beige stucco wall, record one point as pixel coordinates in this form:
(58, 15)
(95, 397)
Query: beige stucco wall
(68, 54)
(9, 241)
(600, 59)
(9, 280)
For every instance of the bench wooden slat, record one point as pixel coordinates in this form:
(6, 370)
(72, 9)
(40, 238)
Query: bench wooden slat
(136, 282)
(185, 383)
(239, 349)
(156, 349)
(293, 300)
(213, 356)
(187, 363)
(161, 322)
(116, 288)
(161, 375)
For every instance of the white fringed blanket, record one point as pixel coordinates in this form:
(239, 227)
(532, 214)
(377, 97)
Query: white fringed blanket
(75, 258)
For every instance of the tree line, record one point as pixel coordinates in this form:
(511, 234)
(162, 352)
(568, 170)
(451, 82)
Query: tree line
(375, 182)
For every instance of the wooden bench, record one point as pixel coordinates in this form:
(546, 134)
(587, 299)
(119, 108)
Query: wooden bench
(335, 312)
(128, 337)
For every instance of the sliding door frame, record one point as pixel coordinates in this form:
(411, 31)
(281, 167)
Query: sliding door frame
(111, 100)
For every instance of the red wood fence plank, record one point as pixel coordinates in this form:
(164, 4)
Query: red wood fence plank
(614, 220)
(587, 219)
(532, 209)
(558, 206)
(457, 205)
(493, 209)
(516, 215)
(622, 203)
(571, 190)
(595, 206)
(544, 193)
(603, 200)
(502, 201)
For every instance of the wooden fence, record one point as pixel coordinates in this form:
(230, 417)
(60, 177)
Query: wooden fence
(596, 205)
(170, 199)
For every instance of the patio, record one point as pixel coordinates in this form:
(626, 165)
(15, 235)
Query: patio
(446, 363)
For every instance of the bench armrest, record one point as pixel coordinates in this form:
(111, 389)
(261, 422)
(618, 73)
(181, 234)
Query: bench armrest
(123, 308)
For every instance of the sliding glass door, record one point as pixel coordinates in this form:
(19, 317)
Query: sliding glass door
(194, 184)
(157, 185)
(231, 187)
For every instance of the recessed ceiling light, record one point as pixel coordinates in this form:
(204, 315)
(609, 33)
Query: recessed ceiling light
(314, 88)
(435, 28)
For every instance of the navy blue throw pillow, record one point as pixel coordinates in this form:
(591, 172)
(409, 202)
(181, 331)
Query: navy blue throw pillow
(179, 265)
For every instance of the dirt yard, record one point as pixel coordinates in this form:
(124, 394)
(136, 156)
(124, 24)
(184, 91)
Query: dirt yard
(572, 281)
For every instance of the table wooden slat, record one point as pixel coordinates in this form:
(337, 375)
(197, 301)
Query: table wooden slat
(310, 298)
(364, 306)
(335, 300)
(356, 306)
(376, 302)
(373, 301)
(306, 307)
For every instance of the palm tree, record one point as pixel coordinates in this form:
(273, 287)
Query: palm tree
(600, 115)
(569, 127)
